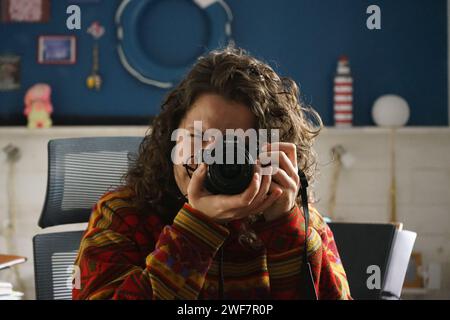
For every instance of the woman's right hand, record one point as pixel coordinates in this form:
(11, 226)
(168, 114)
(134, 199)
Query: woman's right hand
(258, 196)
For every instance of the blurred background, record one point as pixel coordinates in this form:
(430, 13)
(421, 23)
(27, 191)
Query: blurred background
(376, 71)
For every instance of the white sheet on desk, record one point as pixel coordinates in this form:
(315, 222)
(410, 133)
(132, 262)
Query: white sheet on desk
(15, 295)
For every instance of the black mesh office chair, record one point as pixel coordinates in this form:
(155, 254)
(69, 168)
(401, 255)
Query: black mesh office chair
(80, 170)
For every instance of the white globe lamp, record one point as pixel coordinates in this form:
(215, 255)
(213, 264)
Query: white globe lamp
(390, 111)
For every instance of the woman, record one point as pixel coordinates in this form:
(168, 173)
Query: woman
(164, 236)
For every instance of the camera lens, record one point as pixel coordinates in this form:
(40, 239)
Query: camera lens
(230, 178)
(230, 171)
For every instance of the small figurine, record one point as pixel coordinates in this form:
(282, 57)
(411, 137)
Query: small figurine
(38, 106)
(94, 80)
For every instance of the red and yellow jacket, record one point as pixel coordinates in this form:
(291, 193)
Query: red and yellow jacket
(125, 254)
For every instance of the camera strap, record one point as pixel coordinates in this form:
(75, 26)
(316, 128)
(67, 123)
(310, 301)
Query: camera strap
(306, 273)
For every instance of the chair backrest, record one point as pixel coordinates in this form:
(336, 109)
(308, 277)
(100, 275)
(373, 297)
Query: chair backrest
(80, 171)
(54, 257)
(362, 245)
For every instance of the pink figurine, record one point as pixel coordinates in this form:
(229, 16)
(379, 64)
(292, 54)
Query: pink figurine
(38, 106)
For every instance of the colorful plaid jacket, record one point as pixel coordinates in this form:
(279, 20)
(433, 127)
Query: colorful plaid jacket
(125, 254)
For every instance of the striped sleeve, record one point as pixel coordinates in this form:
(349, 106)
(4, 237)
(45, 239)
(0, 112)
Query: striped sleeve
(116, 261)
(284, 241)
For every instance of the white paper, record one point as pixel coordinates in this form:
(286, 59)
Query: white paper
(398, 262)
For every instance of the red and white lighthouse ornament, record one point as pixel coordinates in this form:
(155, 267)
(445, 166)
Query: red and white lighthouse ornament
(343, 94)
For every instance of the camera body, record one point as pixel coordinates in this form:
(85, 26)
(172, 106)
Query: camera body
(232, 170)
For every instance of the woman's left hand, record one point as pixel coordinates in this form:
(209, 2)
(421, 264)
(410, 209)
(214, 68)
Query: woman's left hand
(284, 177)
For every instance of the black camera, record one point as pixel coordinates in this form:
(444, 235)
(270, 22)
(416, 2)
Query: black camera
(232, 171)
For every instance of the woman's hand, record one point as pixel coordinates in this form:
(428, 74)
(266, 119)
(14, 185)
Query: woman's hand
(285, 177)
(223, 208)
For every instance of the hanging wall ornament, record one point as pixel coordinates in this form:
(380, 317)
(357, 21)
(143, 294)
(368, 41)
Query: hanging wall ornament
(133, 45)
(94, 81)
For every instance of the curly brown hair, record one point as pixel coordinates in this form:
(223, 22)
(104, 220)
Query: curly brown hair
(236, 76)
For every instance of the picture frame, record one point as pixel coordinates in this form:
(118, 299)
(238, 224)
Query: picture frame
(24, 11)
(9, 72)
(414, 278)
(57, 49)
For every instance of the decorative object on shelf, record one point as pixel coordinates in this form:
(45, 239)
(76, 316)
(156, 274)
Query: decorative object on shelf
(94, 81)
(38, 106)
(9, 72)
(129, 18)
(28, 11)
(57, 49)
(343, 94)
(390, 111)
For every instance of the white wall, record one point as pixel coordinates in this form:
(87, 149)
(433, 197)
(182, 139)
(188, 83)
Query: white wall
(423, 182)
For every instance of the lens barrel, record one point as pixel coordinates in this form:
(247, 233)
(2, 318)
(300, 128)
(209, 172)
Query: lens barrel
(230, 177)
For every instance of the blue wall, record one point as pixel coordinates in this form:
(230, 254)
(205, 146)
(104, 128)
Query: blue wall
(300, 38)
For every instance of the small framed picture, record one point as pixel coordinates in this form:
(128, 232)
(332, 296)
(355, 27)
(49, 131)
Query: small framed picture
(54, 49)
(24, 11)
(9, 72)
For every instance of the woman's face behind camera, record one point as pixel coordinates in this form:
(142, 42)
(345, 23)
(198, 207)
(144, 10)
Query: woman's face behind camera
(214, 112)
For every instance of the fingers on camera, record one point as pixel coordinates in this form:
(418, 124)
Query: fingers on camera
(288, 148)
(196, 183)
(252, 191)
(269, 199)
(264, 188)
